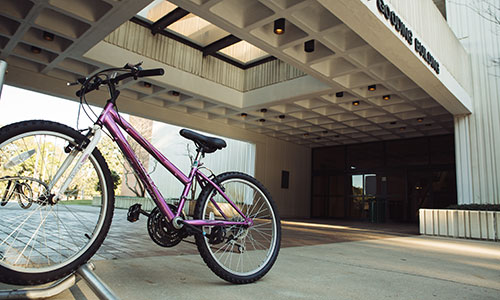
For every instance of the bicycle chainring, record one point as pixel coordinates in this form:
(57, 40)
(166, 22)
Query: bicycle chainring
(161, 231)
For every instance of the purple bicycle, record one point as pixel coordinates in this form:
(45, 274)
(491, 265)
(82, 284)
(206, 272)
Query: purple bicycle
(235, 223)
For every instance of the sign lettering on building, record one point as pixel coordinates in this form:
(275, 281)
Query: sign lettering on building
(407, 34)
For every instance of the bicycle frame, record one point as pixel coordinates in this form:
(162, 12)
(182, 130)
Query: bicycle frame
(111, 120)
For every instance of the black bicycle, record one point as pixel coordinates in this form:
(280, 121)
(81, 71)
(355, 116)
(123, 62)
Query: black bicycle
(17, 189)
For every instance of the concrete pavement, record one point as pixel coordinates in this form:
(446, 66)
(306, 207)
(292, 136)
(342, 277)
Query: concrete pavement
(385, 264)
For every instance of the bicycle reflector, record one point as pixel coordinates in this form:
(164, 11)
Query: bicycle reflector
(19, 159)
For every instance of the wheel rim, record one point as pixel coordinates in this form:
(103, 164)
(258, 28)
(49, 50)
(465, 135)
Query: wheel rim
(250, 250)
(43, 237)
(25, 196)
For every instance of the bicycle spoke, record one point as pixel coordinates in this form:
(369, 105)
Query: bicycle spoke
(34, 234)
(249, 249)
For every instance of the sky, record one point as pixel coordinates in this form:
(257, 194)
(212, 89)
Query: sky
(19, 105)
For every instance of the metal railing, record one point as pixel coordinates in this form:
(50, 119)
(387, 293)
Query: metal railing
(86, 272)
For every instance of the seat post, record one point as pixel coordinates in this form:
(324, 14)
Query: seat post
(199, 155)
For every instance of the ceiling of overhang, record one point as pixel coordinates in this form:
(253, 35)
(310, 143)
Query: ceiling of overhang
(340, 58)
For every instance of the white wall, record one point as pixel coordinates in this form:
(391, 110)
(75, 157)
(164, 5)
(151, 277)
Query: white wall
(478, 135)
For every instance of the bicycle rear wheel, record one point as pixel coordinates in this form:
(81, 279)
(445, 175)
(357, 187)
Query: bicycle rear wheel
(51, 238)
(8, 190)
(24, 195)
(238, 254)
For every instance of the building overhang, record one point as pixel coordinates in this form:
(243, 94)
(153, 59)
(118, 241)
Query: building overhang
(312, 101)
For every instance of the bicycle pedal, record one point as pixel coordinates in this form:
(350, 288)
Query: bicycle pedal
(133, 213)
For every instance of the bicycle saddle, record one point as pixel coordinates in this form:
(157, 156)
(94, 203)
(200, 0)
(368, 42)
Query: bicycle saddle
(205, 143)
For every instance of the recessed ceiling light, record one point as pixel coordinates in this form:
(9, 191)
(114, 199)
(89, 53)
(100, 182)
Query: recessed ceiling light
(262, 120)
(355, 103)
(402, 128)
(175, 93)
(36, 50)
(147, 84)
(279, 26)
(393, 123)
(387, 97)
(263, 110)
(339, 94)
(372, 87)
(309, 46)
(243, 114)
(48, 36)
(281, 116)
(420, 120)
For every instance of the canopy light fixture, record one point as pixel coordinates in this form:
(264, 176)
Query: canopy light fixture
(48, 36)
(339, 94)
(372, 87)
(355, 103)
(387, 97)
(36, 50)
(279, 26)
(309, 46)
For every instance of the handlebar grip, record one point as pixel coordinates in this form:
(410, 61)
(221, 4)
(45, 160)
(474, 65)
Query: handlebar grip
(151, 72)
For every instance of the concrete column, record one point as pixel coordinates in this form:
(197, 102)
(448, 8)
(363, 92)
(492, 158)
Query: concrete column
(463, 160)
(3, 69)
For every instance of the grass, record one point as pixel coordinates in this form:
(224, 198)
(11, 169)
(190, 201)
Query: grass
(76, 202)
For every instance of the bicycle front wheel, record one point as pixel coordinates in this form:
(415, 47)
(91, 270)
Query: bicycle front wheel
(52, 237)
(235, 253)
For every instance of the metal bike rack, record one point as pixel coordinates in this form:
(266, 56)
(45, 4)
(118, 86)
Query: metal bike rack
(3, 69)
(100, 289)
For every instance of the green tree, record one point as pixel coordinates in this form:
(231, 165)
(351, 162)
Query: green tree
(72, 192)
(117, 180)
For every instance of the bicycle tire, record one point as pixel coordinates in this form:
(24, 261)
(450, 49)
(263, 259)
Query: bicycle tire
(22, 195)
(260, 243)
(6, 194)
(64, 235)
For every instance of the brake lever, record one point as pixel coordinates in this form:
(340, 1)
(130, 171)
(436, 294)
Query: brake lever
(78, 81)
(132, 66)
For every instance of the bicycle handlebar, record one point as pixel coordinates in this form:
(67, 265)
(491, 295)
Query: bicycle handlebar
(136, 74)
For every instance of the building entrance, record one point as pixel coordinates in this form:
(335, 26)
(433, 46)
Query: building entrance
(386, 181)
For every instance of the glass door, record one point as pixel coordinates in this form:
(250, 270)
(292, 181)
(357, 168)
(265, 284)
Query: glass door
(363, 191)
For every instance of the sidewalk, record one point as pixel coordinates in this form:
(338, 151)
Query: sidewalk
(335, 261)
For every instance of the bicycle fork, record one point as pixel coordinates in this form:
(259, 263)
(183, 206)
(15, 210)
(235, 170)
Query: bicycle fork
(95, 137)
